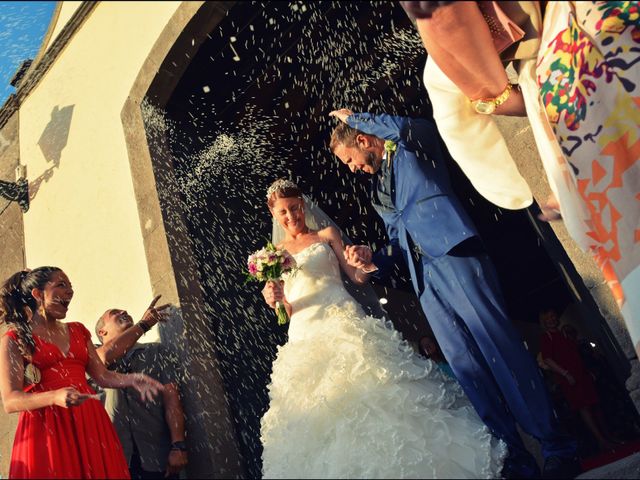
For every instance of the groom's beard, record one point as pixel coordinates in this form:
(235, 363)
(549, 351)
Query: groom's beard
(372, 162)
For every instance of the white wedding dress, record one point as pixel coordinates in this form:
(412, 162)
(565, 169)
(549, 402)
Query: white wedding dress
(350, 399)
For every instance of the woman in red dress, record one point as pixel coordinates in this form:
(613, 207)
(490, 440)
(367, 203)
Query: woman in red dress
(63, 430)
(562, 356)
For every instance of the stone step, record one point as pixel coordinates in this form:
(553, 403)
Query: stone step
(628, 467)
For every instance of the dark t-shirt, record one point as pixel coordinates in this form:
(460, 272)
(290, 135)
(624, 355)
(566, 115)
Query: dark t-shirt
(136, 421)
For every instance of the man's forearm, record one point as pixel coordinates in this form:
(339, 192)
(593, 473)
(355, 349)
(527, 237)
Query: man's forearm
(117, 347)
(383, 125)
(173, 412)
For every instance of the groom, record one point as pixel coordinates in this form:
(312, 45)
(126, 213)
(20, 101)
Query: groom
(454, 279)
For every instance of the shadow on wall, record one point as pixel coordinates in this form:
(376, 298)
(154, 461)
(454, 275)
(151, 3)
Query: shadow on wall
(55, 134)
(52, 141)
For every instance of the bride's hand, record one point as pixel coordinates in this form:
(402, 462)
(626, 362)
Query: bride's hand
(273, 292)
(358, 256)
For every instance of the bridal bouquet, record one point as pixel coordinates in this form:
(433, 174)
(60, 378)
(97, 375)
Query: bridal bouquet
(269, 264)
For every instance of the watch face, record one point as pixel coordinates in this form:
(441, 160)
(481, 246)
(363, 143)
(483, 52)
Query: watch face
(484, 107)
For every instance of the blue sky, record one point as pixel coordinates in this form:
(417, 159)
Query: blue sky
(22, 27)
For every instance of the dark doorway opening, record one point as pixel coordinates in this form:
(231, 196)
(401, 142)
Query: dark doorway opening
(251, 107)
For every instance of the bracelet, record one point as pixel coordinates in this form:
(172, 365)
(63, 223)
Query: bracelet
(180, 446)
(373, 269)
(487, 106)
(145, 328)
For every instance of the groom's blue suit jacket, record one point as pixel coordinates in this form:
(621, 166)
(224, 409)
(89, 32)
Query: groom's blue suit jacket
(424, 206)
(419, 209)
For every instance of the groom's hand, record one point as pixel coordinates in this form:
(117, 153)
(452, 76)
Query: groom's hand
(358, 256)
(273, 292)
(341, 114)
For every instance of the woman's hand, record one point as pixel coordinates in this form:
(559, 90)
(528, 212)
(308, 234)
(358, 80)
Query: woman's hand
(550, 210)
(273, 292)
(69, 397)
(146, 386)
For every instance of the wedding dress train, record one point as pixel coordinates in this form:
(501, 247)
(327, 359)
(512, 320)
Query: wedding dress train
(350, 399)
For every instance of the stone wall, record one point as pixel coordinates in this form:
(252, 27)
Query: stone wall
(12, 238)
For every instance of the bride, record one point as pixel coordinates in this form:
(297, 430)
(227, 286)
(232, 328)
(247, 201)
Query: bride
(348, 397)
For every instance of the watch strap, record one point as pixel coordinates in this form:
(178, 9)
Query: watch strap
(488, 105)
(180, 445)
(144, 326)
(500, 99)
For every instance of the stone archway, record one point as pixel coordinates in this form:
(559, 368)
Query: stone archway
(211, 436)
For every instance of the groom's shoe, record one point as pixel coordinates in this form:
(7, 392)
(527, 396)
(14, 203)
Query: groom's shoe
(561, 467)
(520, 466)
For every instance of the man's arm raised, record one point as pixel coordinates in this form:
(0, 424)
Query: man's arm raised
(117, 347)
(415, 132)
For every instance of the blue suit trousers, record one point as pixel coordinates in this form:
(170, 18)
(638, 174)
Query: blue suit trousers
(463, 302)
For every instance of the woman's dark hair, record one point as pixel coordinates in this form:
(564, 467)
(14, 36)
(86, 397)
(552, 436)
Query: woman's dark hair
(15, 296)
(282, 188)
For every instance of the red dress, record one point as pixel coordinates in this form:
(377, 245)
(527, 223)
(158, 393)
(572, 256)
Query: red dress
(57, 442)
(564, 351)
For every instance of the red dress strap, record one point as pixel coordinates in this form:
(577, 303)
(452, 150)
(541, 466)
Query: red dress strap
(77, 328)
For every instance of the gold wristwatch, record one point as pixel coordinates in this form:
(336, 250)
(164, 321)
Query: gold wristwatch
(487, 106)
